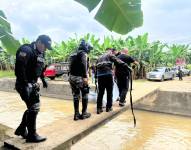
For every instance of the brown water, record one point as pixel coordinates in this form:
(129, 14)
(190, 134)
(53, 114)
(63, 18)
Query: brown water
(154, 131)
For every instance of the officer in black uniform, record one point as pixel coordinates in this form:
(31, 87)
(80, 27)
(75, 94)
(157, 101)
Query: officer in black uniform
(78, 78)
(104, 75)
(123, 76)
(29, 67)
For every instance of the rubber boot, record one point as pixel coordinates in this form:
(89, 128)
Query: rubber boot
(76, 110)
(99, 110)
(85, 114)
(22, 130)
(32, 136)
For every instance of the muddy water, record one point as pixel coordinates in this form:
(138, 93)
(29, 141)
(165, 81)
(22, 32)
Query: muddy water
(154, 131)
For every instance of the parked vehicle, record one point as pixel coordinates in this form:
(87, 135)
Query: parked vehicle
(56, 70)
(161, 73)
(186, 72)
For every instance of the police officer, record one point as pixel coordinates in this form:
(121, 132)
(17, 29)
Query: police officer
(29, 67)
(104, 76)
(123, 76)
(78, 78)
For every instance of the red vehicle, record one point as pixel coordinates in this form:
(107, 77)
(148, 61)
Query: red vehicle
(56, 70)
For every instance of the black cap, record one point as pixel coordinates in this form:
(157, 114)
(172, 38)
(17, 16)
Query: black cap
(46, 40)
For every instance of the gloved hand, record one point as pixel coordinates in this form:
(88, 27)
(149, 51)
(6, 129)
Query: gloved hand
(45, 83)
(36, 86)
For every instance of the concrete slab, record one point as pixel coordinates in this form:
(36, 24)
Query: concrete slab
(171, 102)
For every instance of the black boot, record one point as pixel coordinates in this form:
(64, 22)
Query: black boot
(76, 110)
(85, 114)
(109, 109)
(32, 136)
(99, 110)
(22, 130)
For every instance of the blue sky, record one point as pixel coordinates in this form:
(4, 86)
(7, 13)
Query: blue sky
(165, 20)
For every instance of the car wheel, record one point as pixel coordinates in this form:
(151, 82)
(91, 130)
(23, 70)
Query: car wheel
(162, 79)
(52, 78)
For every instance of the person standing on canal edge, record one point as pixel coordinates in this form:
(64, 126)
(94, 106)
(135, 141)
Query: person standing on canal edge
(104, 76)
(29, 67)
(78, 79)
(123, 75)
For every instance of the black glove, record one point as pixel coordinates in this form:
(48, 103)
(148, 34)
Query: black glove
(45, 83)
(36, 86)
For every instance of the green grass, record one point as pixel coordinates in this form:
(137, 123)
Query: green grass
(7, 74)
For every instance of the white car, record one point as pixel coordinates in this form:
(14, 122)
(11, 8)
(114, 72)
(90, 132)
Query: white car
(186, 72)
(161, 73)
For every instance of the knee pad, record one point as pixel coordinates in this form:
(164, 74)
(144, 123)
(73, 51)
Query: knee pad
(35, 108)
(76, 96)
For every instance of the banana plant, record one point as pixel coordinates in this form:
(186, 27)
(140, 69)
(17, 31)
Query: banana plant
(177, 51)
(7, 40)
(120, 16)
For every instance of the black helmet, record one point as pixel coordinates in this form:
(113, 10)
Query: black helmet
(86, 47)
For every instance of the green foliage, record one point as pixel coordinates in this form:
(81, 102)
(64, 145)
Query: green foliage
(7, 40)
(6, 74)
(120, 16)
(188, 66)
(150, 54)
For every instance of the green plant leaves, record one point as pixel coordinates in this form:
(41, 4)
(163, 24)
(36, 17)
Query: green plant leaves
(120, 16)
(6, 37)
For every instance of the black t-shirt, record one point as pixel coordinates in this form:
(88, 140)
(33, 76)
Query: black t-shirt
(120, 71)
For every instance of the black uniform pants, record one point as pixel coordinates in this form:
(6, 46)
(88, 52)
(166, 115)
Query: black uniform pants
(123, 86)
(105, 82)
(32, 102)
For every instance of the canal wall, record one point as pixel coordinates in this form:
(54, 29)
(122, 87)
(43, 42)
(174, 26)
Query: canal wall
(60, 89)
(172, 102)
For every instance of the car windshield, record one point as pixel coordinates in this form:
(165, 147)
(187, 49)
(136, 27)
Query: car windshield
(158, 70)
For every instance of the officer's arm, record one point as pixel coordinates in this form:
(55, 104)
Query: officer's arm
(22, 59)
(45, 84)
(96, 71)
(84, 65)
(118, 62)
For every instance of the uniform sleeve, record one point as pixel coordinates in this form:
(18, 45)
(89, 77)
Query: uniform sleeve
(84, 60)
(116, 61)
(22, 58)
(42, 74)
(119, 63)
(130, 59)
(96, 69)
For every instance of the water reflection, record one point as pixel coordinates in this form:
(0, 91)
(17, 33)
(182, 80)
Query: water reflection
(153, 131)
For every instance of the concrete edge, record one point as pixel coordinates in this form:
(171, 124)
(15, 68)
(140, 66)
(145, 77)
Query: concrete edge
(156, 111)
(67, 144)
(146, 96)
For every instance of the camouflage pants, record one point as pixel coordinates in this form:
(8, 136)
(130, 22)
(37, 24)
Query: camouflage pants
(77, 86)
